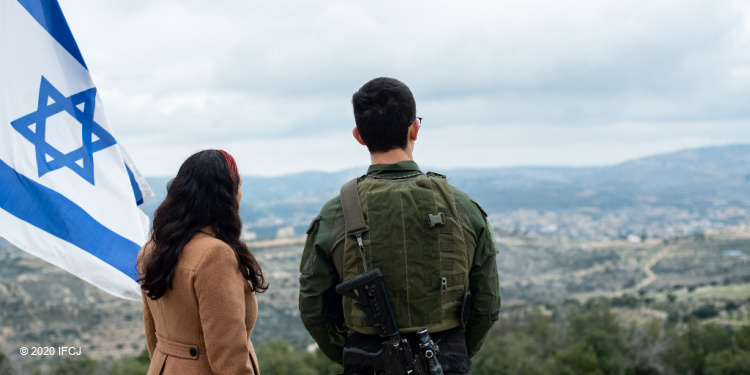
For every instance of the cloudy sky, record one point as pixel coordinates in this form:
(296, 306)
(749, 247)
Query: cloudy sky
(499, 83)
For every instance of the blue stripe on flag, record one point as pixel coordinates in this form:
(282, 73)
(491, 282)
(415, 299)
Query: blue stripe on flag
(55, 214)
(50, 16)
(134, 185)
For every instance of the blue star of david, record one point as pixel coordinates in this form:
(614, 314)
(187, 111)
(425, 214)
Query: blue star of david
(49, 158)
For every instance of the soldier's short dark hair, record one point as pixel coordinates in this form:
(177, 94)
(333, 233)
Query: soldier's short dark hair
(383, 110)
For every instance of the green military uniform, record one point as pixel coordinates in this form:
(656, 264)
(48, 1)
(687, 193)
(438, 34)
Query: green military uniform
(322, 268)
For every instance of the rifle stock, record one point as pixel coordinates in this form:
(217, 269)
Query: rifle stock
(395, 356)
(368, 291)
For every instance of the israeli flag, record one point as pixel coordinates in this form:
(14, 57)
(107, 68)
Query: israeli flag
(69, 193)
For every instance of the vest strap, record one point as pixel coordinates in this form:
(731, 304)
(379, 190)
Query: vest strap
(354, 219)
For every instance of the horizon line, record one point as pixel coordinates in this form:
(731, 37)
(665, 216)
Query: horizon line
(517, 166)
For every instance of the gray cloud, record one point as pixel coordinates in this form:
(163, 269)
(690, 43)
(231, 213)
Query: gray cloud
(188, 75)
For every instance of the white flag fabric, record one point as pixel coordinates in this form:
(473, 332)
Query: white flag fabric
(68, 192)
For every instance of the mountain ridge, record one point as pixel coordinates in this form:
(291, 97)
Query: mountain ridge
(692, 179)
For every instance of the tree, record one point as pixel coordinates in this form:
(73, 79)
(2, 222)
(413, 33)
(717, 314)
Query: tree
(647, 346)
(5, 365)
(323, 365)
(742, 338)
(543, 332)
(510, 353)
(691, 350)
(626, 300)
(131, 366)
(278, 358)
(705, 312)
(599, 330)
(728, 362)
(84, 366)
(731, 306)
(578, 359)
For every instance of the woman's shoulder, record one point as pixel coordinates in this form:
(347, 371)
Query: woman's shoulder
(203, 247)
(144, 254)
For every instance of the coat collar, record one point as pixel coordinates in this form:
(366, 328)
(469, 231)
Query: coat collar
(401, 168)
(207, 230)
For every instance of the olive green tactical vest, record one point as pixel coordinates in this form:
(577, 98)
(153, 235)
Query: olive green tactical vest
(415, 238)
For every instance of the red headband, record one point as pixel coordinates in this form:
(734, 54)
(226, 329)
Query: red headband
(231, 164)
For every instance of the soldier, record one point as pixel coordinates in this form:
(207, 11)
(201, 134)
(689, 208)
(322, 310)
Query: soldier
(431, 241)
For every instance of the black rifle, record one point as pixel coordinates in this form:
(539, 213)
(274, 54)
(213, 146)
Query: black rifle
(395, 355)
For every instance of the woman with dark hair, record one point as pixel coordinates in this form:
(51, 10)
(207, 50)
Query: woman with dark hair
(198, 279)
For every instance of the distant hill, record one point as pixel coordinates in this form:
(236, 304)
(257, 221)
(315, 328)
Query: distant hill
(273, 202)
(695, 178)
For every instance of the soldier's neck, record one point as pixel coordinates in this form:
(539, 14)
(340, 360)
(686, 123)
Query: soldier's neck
(392, 156)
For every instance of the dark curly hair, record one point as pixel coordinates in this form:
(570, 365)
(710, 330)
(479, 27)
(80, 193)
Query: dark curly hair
(204, 193)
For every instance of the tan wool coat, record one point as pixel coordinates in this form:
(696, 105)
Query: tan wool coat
(203, 324)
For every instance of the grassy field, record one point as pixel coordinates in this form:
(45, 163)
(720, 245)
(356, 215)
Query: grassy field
(737, 291)
(684, 269)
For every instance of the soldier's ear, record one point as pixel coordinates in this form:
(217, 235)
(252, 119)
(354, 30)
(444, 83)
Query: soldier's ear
(414, 130)
(355, 133)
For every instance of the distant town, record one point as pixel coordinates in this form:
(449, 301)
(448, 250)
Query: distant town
(632, 224)
(587, 223)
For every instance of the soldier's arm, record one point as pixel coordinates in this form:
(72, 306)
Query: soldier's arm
(483, 283)
(318, 276)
